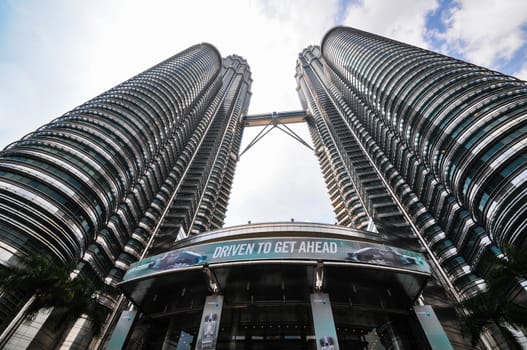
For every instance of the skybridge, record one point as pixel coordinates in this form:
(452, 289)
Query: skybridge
(278, 120)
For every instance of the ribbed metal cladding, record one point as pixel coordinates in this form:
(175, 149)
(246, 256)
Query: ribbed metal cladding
(350, 167)
(89, 184)
(81, 187)
(359, 172)
(92, 185)
(455, 131)
(347, 205)
(200, 201)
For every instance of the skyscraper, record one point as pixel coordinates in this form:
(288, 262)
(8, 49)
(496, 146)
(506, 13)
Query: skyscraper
(463, 124)
(420, 147)
(424, 160)
(146, 162)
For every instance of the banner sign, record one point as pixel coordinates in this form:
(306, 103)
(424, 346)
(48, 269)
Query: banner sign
(434, 332)
(305, 248)
(210, 323)
(325, 333)
(122, 330)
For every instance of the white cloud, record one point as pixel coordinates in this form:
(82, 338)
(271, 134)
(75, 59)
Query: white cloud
(522, 73)
(57, 54)
(60, 53)
(284, 180)
(403, 20)
(75, 50)
(485, 31)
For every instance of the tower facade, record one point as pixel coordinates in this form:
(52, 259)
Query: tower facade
(424, 160)
(127, 173)
(436, 139)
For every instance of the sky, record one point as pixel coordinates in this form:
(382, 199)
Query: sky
(57, 54)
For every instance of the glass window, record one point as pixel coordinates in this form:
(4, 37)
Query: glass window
(483, 201)
(516, 164)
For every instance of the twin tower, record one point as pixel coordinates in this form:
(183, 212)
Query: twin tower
(425, 161)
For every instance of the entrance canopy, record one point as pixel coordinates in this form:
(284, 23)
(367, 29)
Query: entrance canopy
(280, 262)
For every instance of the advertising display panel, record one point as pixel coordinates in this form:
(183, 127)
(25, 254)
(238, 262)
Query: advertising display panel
(210, 323)
(433, 331)
(325, 332)
(122, 329)
(284, 248)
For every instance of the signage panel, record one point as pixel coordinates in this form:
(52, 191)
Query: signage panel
(434, 332)
(325, 332)
(284, 248)
(210, 323)
(121, 331)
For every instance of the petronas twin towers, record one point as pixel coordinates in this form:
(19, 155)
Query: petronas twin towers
(422, 154)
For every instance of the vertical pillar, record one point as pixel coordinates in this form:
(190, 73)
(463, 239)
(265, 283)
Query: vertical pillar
(391, 337)
(325, 332)
(122, 329)
(210, 323)
(170, 337)
(434, 333)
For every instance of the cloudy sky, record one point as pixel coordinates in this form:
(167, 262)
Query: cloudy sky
(54, 55)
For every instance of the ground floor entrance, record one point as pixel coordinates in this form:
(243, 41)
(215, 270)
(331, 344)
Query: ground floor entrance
(278, 286)
(279, 326)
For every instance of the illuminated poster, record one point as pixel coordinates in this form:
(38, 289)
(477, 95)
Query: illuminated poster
(305, 248)
(325, 332)
(434, 332)
(121, 331)
(210, 323)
